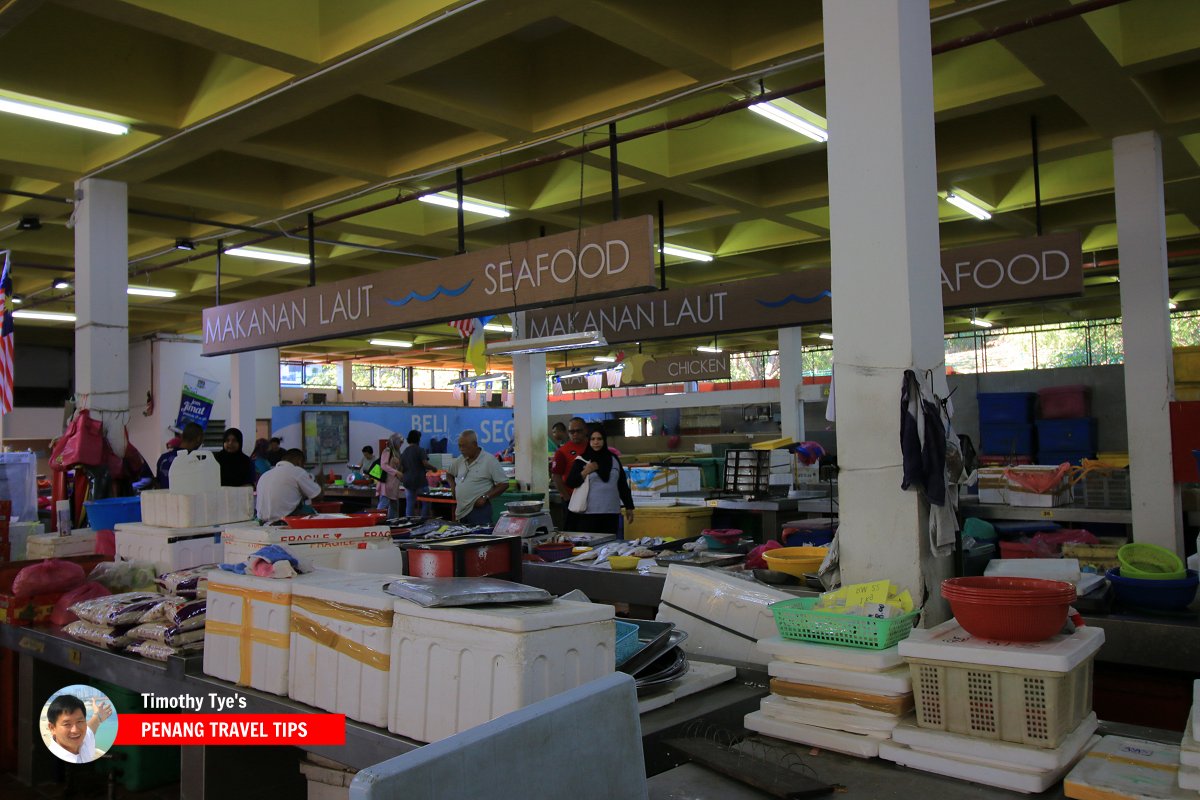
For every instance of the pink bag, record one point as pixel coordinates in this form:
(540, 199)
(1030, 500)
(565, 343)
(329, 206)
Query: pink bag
(51, 575)
(83, 443)
(63, 615)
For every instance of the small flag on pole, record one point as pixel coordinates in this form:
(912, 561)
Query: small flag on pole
(6, 337)
(465, 327)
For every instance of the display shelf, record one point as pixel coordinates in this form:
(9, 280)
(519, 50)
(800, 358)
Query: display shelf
(973, 508)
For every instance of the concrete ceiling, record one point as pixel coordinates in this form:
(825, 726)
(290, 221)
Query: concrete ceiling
(255, 113)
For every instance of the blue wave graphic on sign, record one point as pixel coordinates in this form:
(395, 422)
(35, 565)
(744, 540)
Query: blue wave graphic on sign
(425, 298)
(791, 298)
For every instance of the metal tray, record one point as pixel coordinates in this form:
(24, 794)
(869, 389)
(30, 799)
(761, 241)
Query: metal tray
(674, 545)
(705, 559)
(645, 658)
(670, 667)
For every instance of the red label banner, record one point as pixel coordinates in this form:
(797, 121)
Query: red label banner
(222, 729)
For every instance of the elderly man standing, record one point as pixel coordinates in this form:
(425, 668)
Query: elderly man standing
(476, 477)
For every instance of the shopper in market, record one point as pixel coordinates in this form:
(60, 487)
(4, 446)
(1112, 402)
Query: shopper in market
(190, 439)
(236, 467)
(414, 463)
(72, 732)
(557, 438)
(259, 459)
(607, 487)
(392, 485)
(476, 477)
(286, 489)
(560, 465)
(275, 450)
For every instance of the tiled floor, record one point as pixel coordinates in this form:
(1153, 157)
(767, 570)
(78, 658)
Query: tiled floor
(88, 786)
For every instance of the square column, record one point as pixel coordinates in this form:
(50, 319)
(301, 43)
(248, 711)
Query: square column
(529, 416)
(345, 381)
(102, 305)
(1146, 324)
(791, 378)
(887, 305)
(253, 389)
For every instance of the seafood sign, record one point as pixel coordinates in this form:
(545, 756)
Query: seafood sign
(602, 261)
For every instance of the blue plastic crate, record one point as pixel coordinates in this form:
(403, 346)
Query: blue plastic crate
(628, 642)
(1072, 457)
(1067, 435)
(1005, 406)
(1006, 439)
(103, 515)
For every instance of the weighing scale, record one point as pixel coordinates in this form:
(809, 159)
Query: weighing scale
(533, 528)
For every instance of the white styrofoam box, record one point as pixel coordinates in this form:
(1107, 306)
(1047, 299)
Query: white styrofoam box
(168, 549)
(80, 542)
(778, 707)
(341, 644)
(196, 472)
(276, 534)
(852, 744)
(1009, 754)
(1189, 748)
(247, 630)
(830, 655)
(836, 706)
(18, 537)
(383, 561)
(18, 483)
(1189, 779)
(701, 675)
(455, 668)
(220, 507)
(1127, 768)
(709, 605)
(242, 542)
(327, 782)
(1049, 569)
(891, 683)
(1034, 500)
(993, 486)
(1017, 780)
(949, 642)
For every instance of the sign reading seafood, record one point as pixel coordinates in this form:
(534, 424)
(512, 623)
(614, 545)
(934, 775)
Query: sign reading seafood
(602, 261)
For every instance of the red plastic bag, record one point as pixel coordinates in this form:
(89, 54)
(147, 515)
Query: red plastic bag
(755, 560)
(50, 576)
(1039, 481)
(1049, 545)
(63, 615)
(83, 443)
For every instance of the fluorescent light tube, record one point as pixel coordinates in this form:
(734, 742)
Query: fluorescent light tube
(491, 376)
(547, 344)
(966, 205)
(145, 291)
(605, 359)
(980, 322)
(48, 316)
(475, 206)
(17, 300)
(63, 117)
(708, 349)
(267, 255)
(389, 343)
(826, 336)
(62, 283)
(683, 252)
(496, 326)
(1170, 304)
(789, 120)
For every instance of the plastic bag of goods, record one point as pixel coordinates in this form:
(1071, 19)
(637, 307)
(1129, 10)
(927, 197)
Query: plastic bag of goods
(126, 576)
(125, 609)
(191, 582)
(107, 636)
(161, 652)
(180, 612)
(47, 577)
(62, 613)
(165, 633)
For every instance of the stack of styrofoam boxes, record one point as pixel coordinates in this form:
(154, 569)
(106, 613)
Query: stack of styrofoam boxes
(1020, 495)
(723, 616)
(79, 542)
(166, 509)
(247, 629)
(455, 668)
(1005, 427)
(1017, 715)
(1065, 431)
(168, 549)
(1189, 747)
(839, 698)
(1118, 768)
(319, 546)
(341, 644)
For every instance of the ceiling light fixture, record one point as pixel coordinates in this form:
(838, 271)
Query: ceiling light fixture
(476, 206)
(977, 211)
(185, 244)
(146, 291)
(605, 359)
(267, 255)
(547, 344)
(62, 117)
(1171, 306)
(683, 252)
(389, 343)
(17, 299)
(29, 223)
(825, 335)
(496, 326)
(490, 376)
(708, 348)
(62, 283)
(47, 316)
(791, 120)
(980, 322)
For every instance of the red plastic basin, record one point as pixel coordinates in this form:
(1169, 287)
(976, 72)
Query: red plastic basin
(342, 521)
(1009, 609)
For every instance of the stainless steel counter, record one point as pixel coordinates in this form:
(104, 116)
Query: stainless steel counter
(973, 508)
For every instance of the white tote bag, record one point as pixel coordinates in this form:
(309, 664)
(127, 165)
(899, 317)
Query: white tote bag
(579, 497)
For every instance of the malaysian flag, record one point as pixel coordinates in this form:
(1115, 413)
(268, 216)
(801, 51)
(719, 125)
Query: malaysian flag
(465, 327)
(6, 338)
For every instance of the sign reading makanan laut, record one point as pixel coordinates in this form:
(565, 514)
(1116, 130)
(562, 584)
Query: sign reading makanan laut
(1046, 266)
(612, 259)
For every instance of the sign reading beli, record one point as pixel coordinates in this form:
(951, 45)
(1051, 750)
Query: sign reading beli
(645, 370)
(1046, 266)
(612, 259)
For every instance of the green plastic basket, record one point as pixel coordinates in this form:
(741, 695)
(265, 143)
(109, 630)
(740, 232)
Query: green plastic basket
(1149, 562)
(799, 619)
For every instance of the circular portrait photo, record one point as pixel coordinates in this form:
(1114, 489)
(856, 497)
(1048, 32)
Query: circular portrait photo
(78, 724)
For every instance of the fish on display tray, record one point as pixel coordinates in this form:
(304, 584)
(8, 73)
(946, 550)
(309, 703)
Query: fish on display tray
(639, 548)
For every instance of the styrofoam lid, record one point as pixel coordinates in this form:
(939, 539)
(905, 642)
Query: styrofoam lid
(831, 654)
(217, 577)
(77, 535)
(269, 534)
(361, 589)
(518, 617)
(141, 527)
(949, 642)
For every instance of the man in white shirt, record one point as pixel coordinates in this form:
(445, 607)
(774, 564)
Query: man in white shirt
(72, 734)
(285, 489)
(476, 477)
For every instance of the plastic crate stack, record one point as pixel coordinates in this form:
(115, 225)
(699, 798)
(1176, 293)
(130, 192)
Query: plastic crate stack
(1013, 715)
(1065, 429)
(1006, 431)
(1189, 748)
(847, 698)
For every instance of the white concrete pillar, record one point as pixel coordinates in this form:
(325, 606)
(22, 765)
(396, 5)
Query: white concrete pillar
(530, 416)
(345, 380)
(887, 304)
(1146, 324)
(243, 394)
(791, 378)
(101, 304)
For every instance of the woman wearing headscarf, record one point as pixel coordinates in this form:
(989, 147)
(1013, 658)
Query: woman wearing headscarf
(608, 489)
(236, 467)
(393, 485)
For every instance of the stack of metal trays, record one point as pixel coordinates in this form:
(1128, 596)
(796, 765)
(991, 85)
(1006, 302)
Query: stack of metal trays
(660, 661)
